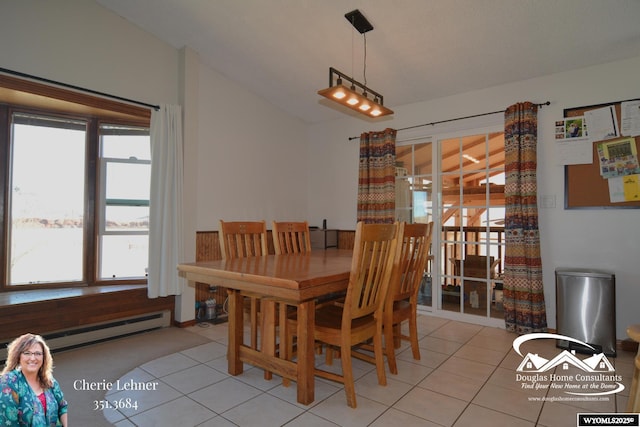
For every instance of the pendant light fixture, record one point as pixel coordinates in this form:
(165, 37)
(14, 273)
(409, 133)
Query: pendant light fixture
(355, 95)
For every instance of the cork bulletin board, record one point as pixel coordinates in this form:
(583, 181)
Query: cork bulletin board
(585, 188)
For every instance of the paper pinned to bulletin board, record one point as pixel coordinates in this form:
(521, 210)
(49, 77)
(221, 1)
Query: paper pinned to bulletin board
(611, 180)
(624, 188)
(572, 142)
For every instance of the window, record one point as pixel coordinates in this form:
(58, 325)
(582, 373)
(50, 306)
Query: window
(46, 199)
(75, 186)
(125, 161)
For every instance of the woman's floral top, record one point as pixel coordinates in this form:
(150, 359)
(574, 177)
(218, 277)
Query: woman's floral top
(19, 405)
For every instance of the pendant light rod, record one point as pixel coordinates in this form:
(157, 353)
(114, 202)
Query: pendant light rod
(354, 82)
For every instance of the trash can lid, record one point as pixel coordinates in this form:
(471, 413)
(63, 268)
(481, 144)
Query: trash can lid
(583, 272)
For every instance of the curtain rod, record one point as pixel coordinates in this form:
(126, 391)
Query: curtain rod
(453, 120)
(94, 92)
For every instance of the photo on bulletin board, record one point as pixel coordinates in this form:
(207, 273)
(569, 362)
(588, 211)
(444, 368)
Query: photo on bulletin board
(612, 180)
(574, 128)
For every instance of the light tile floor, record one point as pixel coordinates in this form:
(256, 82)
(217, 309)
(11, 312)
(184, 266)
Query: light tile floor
(466, 377)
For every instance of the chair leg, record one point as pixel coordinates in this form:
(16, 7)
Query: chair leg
(254, 323)
(378, 352)
(289, 355)
(397, 335)
(285, 346)
(413, 334)
(328, 357)
(389, 338)
(267, 327)
(347, 374)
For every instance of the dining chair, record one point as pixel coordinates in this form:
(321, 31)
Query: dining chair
(402, 300)
(359, 318)
(291, 237)
(295, 237)
(241, 239)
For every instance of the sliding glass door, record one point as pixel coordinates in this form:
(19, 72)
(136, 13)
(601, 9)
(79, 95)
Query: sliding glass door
(471, 213)
(462, 191)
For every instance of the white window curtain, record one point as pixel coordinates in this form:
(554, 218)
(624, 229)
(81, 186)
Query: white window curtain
(165, 204)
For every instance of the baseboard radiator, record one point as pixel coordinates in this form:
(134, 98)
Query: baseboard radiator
(97, 332)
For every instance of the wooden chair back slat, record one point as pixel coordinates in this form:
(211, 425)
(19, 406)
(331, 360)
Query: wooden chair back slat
(291, 237)
(241, 239)
(371, 269)
(410, 267)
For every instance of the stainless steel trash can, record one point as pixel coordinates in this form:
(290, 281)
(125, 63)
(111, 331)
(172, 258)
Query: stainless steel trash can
(586, 310)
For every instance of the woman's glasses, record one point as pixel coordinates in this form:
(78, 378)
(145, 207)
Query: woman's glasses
(32, 353)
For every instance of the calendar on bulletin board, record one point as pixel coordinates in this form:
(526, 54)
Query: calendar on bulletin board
(612, 179)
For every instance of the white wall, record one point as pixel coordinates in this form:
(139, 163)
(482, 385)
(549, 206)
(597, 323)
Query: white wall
(600, 239)
(252, 157)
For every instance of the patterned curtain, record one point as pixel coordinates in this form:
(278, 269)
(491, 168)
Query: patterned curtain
(523, 289)
(376, 177)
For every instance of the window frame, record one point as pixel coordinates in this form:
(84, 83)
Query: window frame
(104, 202)
(17, 116)
(24, 96)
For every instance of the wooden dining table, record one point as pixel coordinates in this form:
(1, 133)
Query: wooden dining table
(295, 280)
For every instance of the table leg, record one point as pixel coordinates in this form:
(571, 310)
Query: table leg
(283, 342)
(235, 332)
(306, 355)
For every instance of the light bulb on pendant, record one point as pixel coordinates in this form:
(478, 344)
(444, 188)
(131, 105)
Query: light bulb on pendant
(365, 106)
(339, 94)
(353, 100)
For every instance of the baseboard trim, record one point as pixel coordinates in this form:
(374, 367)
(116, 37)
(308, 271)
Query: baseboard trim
(186, 324)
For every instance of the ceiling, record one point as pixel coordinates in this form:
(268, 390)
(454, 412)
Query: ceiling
(419, 50)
